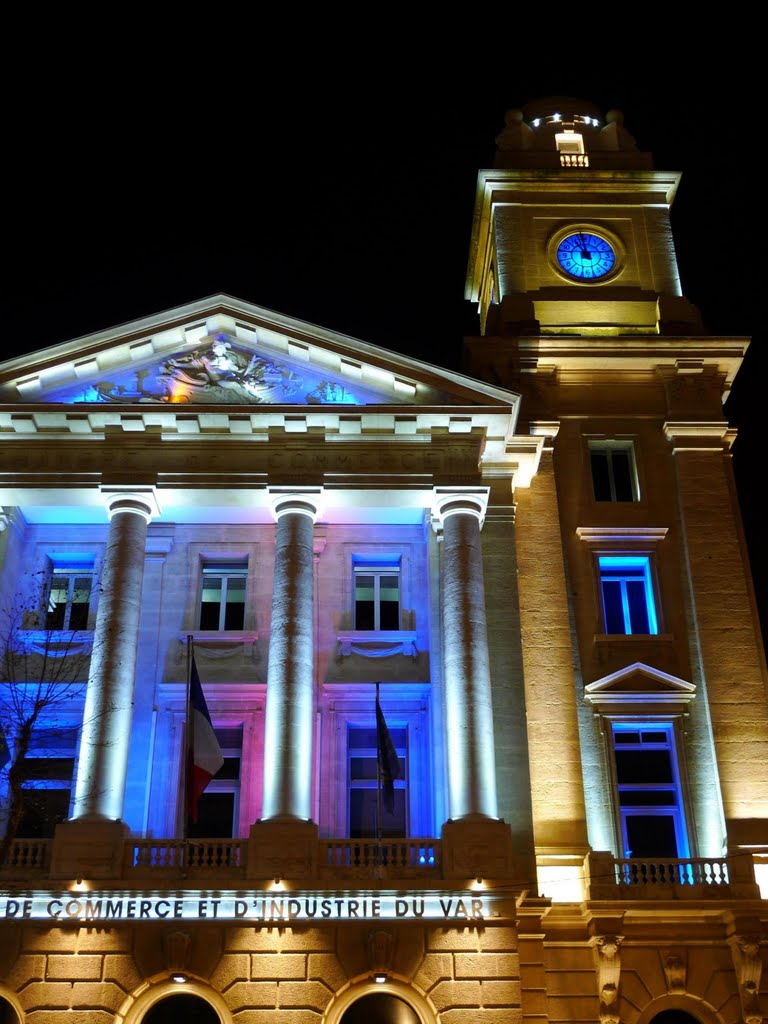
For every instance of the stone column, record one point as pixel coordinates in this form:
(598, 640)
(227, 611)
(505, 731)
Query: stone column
(101, 770)
(290, 686)
(466, 671)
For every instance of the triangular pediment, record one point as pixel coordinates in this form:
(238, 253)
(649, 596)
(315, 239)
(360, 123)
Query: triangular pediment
(221, 351)
(638, 685)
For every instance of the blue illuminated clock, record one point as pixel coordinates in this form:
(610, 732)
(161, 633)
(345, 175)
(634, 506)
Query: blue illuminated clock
(586, 256)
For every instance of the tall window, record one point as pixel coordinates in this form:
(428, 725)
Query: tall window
(614, 475)
(69, 599)
(362, 785)
(377, 595)
(222, 605)
(218, 809)
(48, 770)
(648, 782)
(627, 592)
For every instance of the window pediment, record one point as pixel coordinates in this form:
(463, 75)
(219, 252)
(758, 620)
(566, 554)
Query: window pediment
(639, 689)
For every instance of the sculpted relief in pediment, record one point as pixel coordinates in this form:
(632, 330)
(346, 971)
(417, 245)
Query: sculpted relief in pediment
(218, 373)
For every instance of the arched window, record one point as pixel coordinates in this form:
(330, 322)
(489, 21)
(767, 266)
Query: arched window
(183, 1007)
(380, 1008)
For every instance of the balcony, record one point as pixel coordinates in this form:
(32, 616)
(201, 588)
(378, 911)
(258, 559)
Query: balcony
(224, 862)
(27, 859)
(379, 859)
(689, 878)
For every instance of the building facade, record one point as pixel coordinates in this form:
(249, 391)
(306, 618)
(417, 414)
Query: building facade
(538, 563)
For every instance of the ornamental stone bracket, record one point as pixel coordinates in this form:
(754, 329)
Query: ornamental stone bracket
(608, 961)
(749, 967)
(373, 644)
(675, 971)
(380, 947)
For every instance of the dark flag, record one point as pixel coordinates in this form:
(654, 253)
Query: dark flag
(389, 762)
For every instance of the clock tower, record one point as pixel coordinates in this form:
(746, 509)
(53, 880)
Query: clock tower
(636, 606)
(572, 233)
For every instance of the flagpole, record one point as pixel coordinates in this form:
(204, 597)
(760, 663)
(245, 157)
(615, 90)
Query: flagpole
(378, 774)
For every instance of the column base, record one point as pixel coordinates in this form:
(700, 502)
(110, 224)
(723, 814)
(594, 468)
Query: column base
(477, 848)
(282, 849)
(88, 849)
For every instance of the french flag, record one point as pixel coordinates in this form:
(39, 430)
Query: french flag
(204, 756)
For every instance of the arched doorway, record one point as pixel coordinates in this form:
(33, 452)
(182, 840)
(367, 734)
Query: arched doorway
(7, 1013)
(380, 1008)
(674, 1017)
(184, 1007)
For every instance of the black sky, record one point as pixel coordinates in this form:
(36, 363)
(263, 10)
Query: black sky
(342, 196)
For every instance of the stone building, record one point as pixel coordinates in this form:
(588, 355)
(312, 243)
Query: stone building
(541, 565)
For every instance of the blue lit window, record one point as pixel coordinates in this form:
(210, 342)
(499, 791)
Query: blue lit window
(648, 783)
(627, 592)
(47, 772)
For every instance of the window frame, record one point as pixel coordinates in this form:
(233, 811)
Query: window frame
(71, 572)
(676, 812)
(233, 786)
(377, 567)
(402, 784)
(405, 706)
(609, 570)
(223, 568)
(608, 446)
(71, 726)
(625, 542)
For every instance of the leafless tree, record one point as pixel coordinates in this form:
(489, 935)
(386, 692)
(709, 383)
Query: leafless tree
(43, 676)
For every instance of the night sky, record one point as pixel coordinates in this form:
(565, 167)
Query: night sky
(341, 196)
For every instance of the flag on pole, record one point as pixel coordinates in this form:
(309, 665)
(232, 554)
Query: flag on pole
(204, 757)
(5, 754)
(389, 762)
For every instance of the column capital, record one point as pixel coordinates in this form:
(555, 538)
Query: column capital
(306, 503)
(140, 502)
(450, 502)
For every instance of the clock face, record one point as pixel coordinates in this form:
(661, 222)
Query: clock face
(585, 256)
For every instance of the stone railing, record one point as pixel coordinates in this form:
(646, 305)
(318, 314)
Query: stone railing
(177, 857)
(379, 858)
(27, 857)
(644, 878)
(693, 871)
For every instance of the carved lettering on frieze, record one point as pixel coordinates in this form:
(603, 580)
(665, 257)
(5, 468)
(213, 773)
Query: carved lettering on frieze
(42, 458)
